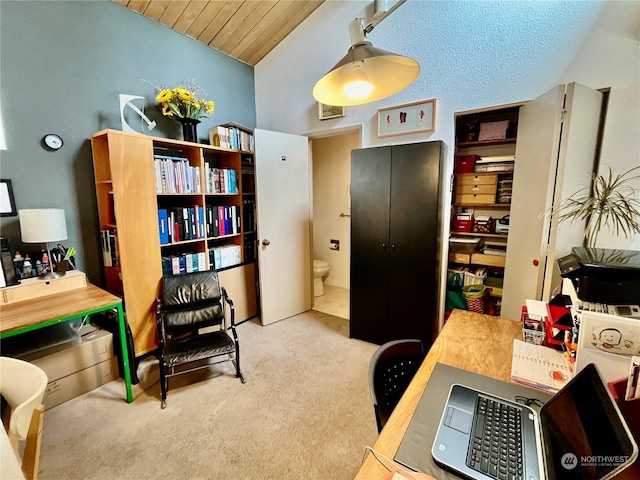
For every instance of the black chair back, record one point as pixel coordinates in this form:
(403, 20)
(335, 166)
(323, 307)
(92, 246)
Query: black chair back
(192, 301)
(391, 369)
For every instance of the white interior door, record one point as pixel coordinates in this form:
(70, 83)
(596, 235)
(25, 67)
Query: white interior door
(284, 224)
(577, 156)
(555, 152)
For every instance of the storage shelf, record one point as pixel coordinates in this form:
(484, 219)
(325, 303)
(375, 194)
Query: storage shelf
(494, 291)
(486, 143)
(487, 235)
(484, 205)
(478, 259)
(178, 194)
(135, 210)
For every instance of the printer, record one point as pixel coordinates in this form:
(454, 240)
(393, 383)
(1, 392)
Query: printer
(601, 275)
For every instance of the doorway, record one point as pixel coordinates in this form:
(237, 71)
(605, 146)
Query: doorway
(331, 210)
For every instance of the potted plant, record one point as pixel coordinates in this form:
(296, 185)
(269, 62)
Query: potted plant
(186, 103)
(610, 201)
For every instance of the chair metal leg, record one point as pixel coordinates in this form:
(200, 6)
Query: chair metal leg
(164, 386)
(238, 371)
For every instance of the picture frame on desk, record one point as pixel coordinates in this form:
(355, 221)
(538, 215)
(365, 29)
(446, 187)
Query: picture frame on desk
(407, 118)
(609, 341)
(7, 201)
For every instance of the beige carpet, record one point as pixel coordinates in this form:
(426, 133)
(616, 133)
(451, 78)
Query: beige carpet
(304, 413)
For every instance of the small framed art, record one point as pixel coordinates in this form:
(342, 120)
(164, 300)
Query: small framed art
(408, 118)
(325, 112)
(7, 202)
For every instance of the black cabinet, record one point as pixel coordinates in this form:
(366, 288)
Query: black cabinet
(395, 211)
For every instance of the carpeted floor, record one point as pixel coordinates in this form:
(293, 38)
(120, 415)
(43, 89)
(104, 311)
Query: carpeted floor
(304, 413)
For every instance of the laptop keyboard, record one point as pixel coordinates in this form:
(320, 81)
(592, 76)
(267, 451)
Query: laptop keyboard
(496, 444)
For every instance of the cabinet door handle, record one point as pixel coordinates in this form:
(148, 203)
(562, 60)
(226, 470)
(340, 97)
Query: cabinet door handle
(266, 242)
(393, 247)
(384, 246)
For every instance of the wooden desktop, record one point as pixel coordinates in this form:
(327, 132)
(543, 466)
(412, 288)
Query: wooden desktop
(40, 303)
(474, 342)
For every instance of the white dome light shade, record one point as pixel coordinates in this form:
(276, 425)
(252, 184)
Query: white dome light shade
(386, 72)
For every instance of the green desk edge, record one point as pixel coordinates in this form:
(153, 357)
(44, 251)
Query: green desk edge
(121, 329)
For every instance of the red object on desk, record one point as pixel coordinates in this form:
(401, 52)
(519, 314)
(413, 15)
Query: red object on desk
(559, 318)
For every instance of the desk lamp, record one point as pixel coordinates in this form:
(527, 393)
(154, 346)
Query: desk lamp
(43, 225)
(366, 74)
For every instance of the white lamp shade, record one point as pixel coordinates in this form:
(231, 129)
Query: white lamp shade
(42, 225)
(386, 71)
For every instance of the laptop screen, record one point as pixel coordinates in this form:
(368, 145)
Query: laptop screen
(582, 430)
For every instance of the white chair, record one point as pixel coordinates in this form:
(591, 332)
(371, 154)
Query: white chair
(22, 384)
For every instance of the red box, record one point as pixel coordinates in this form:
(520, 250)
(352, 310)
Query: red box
(559, 319)
(462, 225)
(465, 163)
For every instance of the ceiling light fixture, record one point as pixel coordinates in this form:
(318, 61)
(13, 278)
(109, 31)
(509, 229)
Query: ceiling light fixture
(366, 73)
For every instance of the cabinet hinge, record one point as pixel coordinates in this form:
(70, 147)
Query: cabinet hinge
(451, 183)
(563, 114)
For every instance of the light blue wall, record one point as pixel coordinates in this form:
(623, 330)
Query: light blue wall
(62, 65)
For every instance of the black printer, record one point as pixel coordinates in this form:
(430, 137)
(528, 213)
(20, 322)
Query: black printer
(601, 275)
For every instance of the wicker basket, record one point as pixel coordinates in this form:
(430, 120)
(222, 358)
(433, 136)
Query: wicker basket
(475, 277)
(475, 297)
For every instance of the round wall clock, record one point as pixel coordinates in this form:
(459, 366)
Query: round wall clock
(52, 141)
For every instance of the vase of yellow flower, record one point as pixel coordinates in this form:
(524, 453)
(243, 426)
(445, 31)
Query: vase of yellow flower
(189, 129)
(186, 103)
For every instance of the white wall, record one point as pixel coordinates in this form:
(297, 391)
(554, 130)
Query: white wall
(473, 54)
(331, 197)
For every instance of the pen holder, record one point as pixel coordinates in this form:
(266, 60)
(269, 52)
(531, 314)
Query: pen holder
(630, 408)
(62, 267)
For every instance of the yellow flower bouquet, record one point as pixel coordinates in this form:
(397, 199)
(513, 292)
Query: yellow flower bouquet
(187, 100)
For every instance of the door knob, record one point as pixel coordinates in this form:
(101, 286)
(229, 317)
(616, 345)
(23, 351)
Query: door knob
(266, 242)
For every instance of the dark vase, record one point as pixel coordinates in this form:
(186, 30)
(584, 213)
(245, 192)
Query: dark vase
(189, 129)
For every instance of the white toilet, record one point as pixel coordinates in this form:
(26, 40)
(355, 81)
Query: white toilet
(320, 270)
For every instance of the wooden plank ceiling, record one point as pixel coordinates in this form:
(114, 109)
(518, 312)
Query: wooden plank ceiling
(243, 29)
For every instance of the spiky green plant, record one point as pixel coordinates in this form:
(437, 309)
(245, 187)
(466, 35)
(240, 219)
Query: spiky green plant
(610, 201)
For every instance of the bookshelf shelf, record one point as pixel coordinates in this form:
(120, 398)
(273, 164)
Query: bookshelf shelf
(172, 200)
(486, 143)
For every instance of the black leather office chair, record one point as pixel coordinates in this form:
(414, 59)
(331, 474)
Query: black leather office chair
(391, 369)
(189, 303)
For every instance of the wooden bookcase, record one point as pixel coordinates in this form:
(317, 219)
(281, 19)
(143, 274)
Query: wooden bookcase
(129, 197)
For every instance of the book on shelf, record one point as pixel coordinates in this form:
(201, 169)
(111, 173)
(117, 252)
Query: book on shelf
(221, 180)
(163, 225)
(539, 367)
(232, 136)
(184, 263)
(110, 254)
(175, 175)
(225, 256)
(248, 212)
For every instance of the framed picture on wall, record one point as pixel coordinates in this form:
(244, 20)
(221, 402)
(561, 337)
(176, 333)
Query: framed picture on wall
(408, 118)
(326, 112)
(7, 202)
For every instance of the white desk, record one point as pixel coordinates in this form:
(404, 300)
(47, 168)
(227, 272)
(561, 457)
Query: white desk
(10, 468)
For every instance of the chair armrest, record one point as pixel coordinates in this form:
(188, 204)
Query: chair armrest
(160, 325)
(232, 315)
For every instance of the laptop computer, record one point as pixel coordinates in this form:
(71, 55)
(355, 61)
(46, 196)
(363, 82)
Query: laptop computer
(579, 433)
